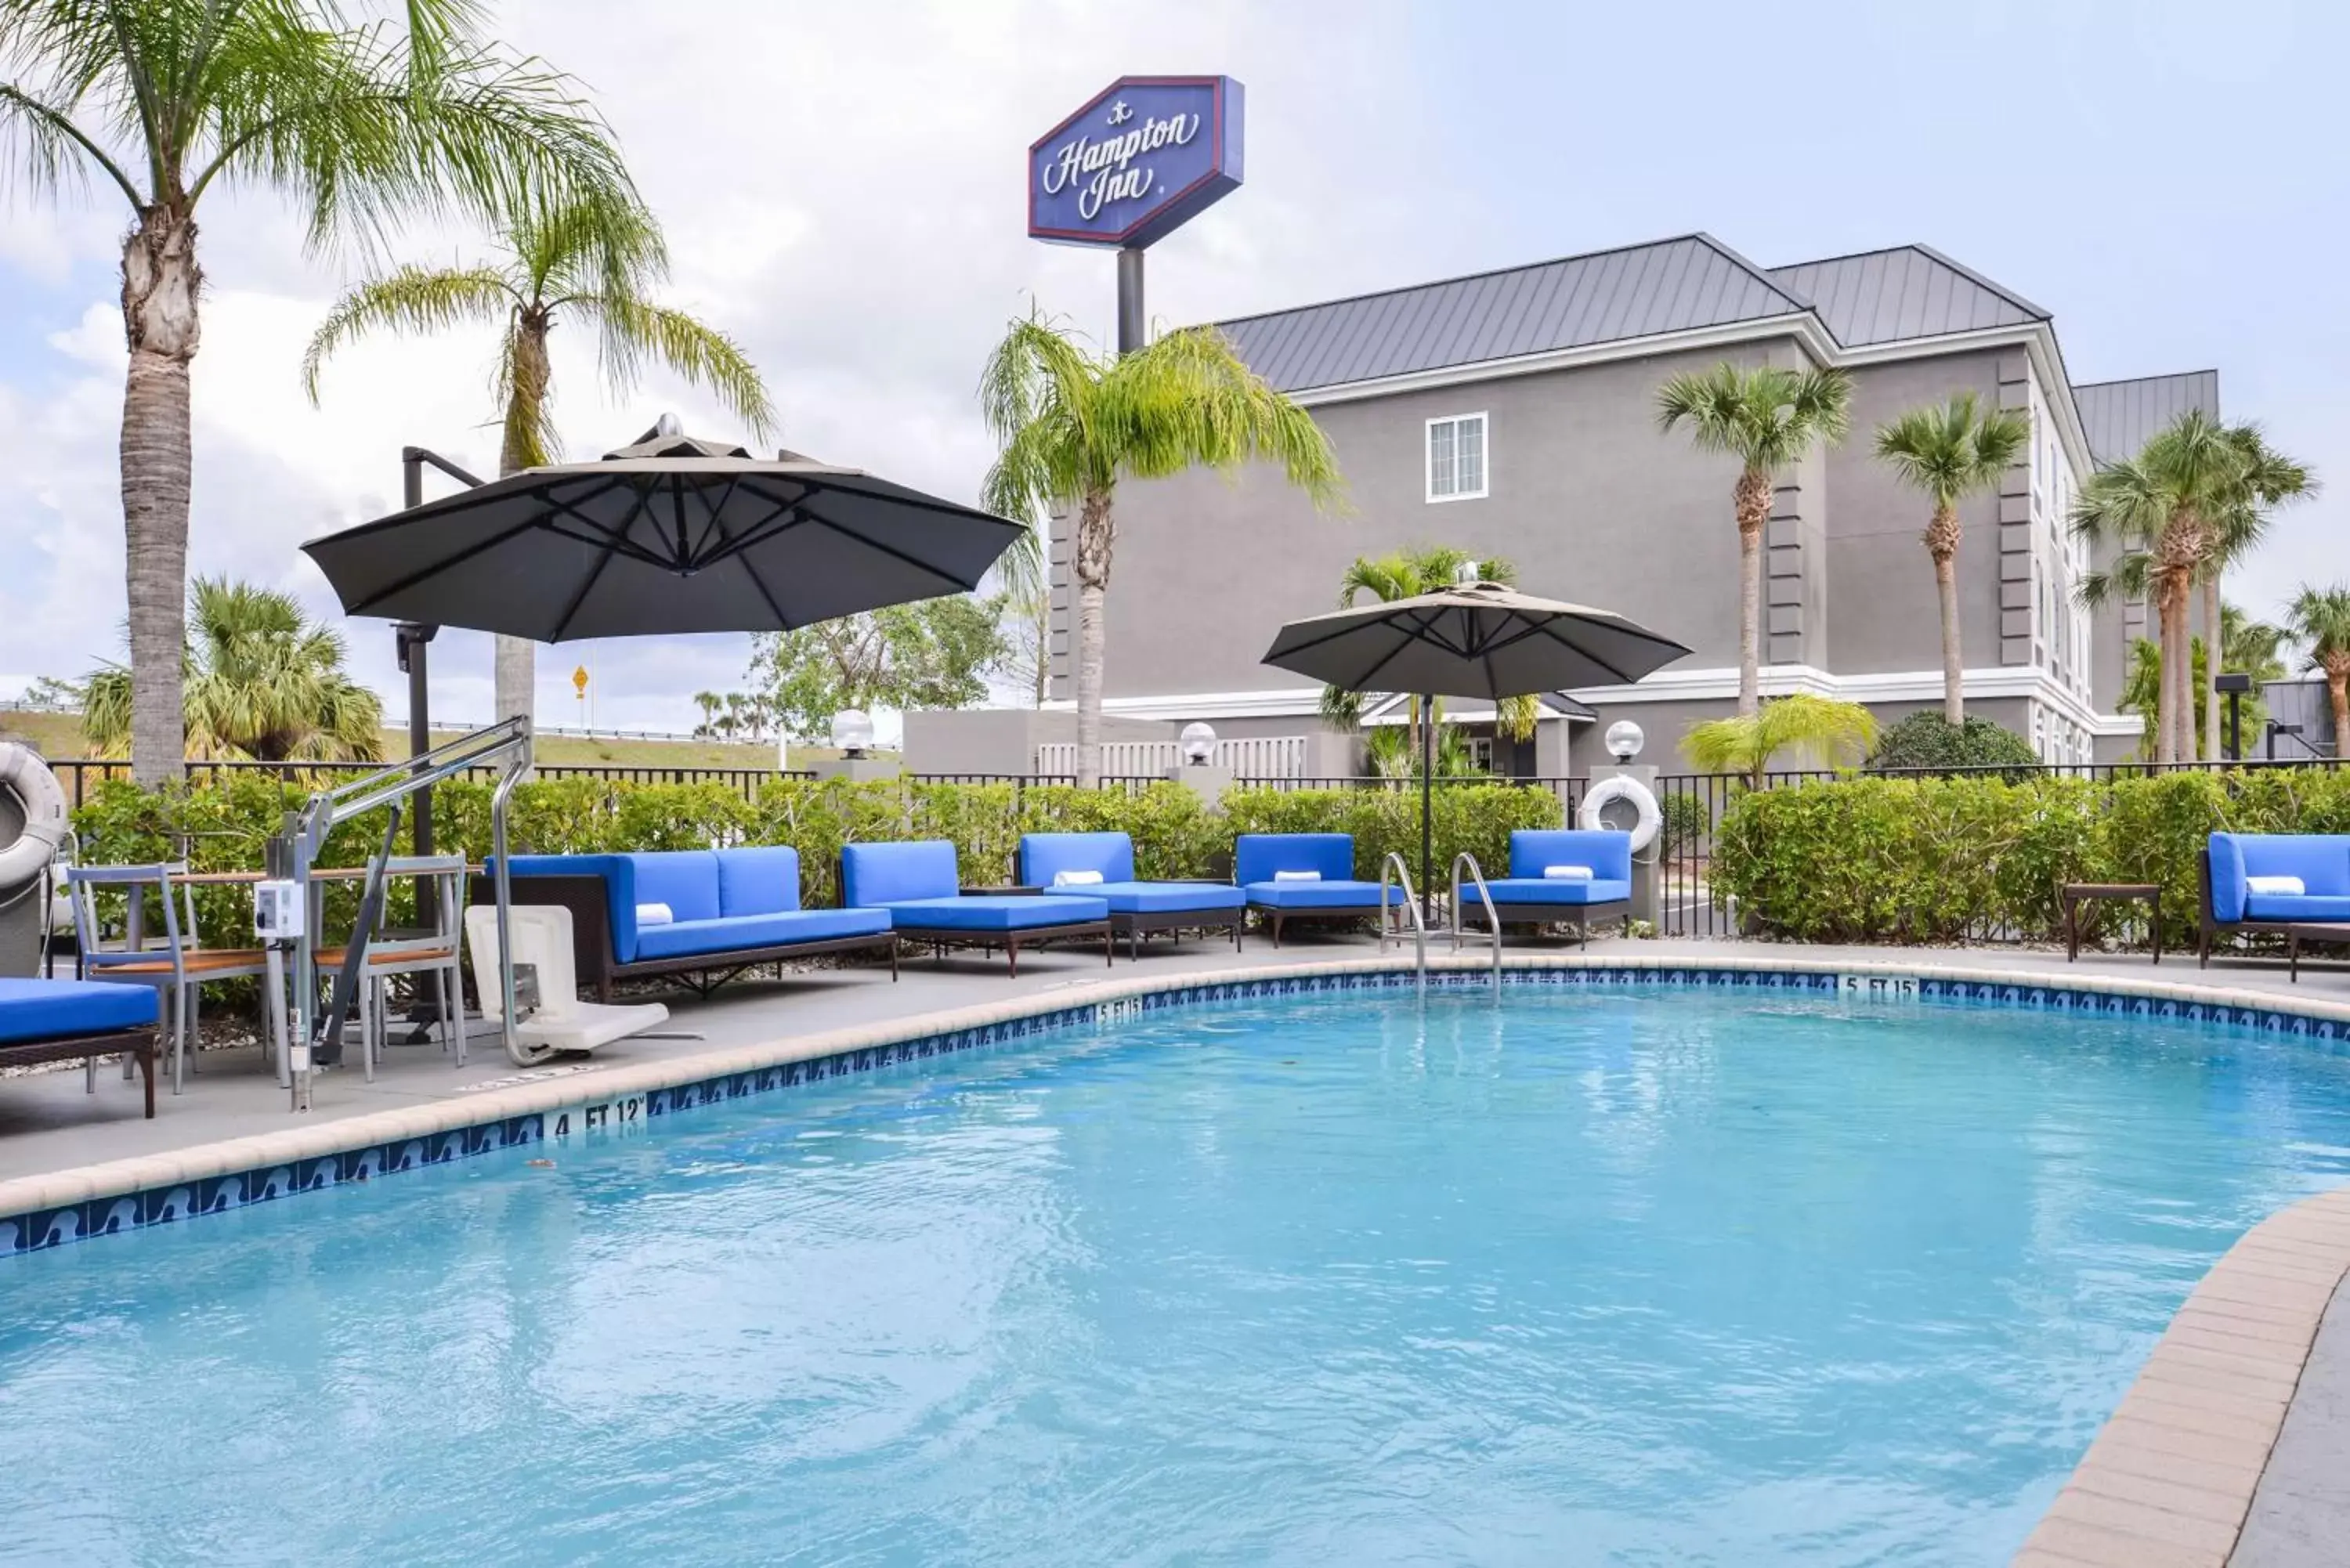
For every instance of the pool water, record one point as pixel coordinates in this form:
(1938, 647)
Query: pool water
(1594, 1277)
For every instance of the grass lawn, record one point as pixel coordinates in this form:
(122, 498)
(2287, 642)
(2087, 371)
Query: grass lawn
(58, 736)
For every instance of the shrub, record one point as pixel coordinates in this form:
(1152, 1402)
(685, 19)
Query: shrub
(1927, 740)
(1949, 859)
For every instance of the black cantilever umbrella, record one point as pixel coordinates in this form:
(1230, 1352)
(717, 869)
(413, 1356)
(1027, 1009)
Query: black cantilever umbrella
(1479, 640)
(669, 534)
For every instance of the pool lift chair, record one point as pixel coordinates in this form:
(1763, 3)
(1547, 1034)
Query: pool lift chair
(546, 985)
(313, 1039)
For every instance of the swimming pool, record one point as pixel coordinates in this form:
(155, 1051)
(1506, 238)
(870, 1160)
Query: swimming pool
(1629, 1275)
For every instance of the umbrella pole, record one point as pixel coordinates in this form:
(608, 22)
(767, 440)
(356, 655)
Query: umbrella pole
(1427, 795)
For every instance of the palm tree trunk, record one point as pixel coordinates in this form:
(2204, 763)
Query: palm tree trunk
(1091, 562)
(2211, 657)
(1752, 501)
(2177, 672)
(1942, 541)
(2337, 686)
(2165, 705)
(160, 282)
(514, 659)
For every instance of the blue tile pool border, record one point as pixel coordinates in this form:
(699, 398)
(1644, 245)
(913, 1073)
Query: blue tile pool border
(591, 1102)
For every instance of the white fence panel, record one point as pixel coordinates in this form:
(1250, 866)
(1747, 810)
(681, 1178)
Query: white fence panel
(1249, 757)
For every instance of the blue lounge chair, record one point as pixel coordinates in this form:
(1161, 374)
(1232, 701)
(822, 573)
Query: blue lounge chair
(79, 1019)
(1529, 896)
(916, 884)
(2232, 904)
(1101, 866)
(1304, 876)
(722, 911)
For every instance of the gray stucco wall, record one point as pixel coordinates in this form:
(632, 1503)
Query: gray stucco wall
(1882, 612)
(1585, 496)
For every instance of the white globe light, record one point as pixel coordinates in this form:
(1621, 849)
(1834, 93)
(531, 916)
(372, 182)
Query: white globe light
(1199, 743)
(1624, 740)
(852, 731)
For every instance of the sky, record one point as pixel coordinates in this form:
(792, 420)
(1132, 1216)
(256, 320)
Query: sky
(841, 181)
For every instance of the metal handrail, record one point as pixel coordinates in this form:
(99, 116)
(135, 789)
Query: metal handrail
(1484, 895)
(1403, 873)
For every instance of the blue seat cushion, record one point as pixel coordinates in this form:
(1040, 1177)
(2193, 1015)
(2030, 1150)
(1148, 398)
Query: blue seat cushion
(2321, 861)
(892, 873)
(1042, 855)
(1165, 897)
(1535, 850)
(38, 1010)
(1339, 895)
(746, 933)
(1257, 856)
(1551, 890)
(758, 880)
(1005, 912)
(2285, 907)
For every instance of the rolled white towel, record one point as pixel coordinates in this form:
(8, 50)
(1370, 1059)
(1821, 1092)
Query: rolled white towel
(1297, 875)
(1567, 874)
(2277, 887)
(655, 915)
(1076, 879)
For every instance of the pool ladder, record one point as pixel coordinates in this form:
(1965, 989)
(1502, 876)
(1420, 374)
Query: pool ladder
(1484, 897)
(1393, 872)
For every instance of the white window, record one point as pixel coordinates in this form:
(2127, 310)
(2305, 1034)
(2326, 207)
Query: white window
(1456, 458)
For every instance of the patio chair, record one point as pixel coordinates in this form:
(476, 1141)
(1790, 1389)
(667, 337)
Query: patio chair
(1289, 877)
(1558, 876)
(431, 951)
(918, 884)
(182, 966)
(1101, 866)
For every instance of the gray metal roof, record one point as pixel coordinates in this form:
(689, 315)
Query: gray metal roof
(1670, 286)
(2118, 416)
(1907, 291)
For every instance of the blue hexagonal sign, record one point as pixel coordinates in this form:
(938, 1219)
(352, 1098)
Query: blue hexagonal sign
(1136, 162)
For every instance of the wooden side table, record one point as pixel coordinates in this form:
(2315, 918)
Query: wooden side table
(2073, 895)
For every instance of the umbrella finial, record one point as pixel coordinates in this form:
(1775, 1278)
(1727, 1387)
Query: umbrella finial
(1468, 573)
(669, 425)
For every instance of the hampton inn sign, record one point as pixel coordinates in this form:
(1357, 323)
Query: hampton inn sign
(1136, 162)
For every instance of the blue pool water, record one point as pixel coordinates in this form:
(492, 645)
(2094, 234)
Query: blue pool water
(1626, 1278)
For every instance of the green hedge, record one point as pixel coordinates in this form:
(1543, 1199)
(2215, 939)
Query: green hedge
(1953, 859)
(1175, 833)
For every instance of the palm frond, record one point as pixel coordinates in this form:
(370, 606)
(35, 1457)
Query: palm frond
(1766, 416)
(635, 332)
(410, 299)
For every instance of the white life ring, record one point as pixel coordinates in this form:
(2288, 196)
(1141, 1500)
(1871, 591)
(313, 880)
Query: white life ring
(1624, 787)
(24, 774)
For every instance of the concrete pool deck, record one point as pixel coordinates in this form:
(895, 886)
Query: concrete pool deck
(2233, 1448)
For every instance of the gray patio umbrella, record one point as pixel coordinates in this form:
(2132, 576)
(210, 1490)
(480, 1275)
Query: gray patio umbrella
(1478, 639)
(669, 534)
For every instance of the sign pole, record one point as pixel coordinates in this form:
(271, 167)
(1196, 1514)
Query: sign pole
(1132, 324)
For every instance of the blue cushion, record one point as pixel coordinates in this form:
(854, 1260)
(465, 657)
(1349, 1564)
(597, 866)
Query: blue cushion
(2320, 860)
(1165, 897)
(892, 873)
(1342, 893)
(1043, 853)
(2283, 907)
(36, 1010)
(1609, 853)
(684, 879)
(1002, 912)
(758, 880)
(1551, 890)
(1257, 856)
(742, 933)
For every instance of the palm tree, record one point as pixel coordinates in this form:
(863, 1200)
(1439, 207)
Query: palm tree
(2319, 619)
(2266, 479)
(1766, 417)
(1950, 452)
(261, 681)
(2162, 504)
(1404, 574)
(593, 261)
(1072, 424)
(166, 101)
(1746, 743)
